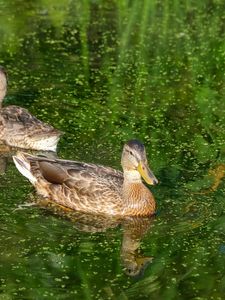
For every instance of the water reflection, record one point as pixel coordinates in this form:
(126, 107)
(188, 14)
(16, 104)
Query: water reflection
(134, 229)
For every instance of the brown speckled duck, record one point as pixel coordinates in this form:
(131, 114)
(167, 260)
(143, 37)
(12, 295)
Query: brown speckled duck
(18, 128)
(94, 188)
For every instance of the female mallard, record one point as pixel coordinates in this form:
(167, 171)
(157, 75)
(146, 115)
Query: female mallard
(18, 128)
(94, 188)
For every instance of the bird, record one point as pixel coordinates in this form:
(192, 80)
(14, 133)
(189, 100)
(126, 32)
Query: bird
(92, 188)
(20, 129)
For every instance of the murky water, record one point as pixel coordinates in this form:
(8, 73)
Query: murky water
(104, 72)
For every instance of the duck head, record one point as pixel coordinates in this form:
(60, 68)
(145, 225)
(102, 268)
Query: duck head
(134, 159)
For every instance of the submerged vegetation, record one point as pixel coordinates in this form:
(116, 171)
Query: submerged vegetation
(105, 72)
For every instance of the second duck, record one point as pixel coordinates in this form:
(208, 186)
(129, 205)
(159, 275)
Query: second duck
(18, 128)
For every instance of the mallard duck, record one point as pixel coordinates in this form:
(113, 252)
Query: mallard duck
(94, 188)
(18, 128)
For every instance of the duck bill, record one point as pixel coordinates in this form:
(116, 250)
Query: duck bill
(146, 173)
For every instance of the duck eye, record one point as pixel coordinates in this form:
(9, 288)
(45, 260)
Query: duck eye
(131, 152)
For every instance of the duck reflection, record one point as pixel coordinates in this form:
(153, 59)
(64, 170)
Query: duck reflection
(134, 229)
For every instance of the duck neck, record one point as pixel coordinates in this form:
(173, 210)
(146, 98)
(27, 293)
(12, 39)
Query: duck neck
(131, 177)
(138, 200)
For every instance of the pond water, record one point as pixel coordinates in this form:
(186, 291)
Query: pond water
(104, 72)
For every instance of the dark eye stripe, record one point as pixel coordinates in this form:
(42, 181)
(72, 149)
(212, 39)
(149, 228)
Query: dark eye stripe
(129, 152)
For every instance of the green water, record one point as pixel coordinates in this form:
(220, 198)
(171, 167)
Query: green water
(104, 72)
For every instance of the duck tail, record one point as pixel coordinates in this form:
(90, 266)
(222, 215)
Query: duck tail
(23, 165)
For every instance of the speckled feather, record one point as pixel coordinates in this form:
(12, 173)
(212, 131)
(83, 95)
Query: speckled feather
(77, 185)
(86, 187)
(18, 128)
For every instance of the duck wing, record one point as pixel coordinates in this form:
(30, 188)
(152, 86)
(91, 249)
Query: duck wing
(86, 179)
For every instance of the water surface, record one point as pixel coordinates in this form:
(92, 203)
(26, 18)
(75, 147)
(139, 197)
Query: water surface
(104, 72)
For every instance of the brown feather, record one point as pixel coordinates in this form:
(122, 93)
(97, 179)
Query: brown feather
(89, 187)
(19, 128)
(52, 172)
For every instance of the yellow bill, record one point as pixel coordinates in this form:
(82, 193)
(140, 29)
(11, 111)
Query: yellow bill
(146, 173)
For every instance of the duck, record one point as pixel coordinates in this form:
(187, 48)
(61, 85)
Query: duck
(20, 129)
(92, 188)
